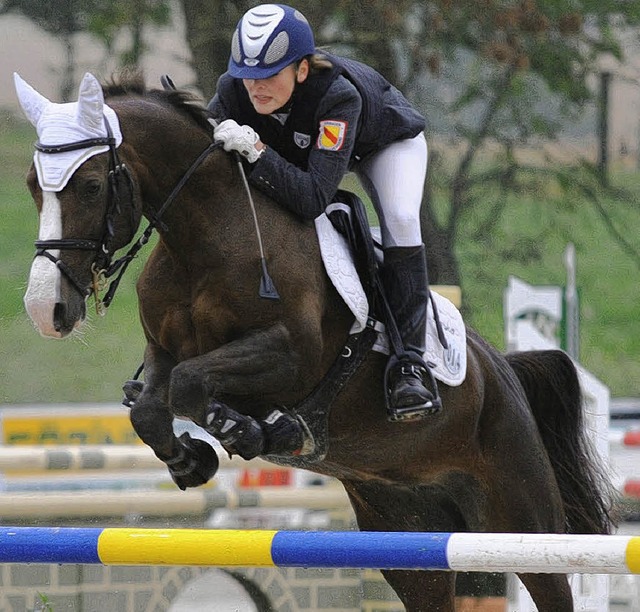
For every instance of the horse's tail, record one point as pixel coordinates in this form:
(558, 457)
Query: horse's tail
(551, 383)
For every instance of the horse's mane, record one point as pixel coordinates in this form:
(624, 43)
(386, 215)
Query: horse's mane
(132, 82)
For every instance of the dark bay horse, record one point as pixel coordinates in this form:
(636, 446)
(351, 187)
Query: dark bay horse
(507, 453)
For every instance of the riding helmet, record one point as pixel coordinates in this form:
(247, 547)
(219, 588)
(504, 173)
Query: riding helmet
(268, 38)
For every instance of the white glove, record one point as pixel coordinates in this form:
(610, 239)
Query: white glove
(240, 138)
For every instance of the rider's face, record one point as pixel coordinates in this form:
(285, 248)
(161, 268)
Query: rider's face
(268, 95)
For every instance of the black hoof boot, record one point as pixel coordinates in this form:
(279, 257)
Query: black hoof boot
(194, 464)
(132, 390)
(239, 434)
(408, 396)
(284, 434)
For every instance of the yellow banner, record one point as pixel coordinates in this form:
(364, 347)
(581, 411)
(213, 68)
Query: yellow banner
(68, 429)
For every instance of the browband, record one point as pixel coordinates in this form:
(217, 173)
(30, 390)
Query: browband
(74, 146)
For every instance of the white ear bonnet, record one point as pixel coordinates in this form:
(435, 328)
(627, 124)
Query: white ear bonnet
(61, 124)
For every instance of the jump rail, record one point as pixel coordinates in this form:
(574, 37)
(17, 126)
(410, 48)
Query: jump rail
(95, 457)
(629, 438)
(20, 458)
(27, 506)
(469, 552)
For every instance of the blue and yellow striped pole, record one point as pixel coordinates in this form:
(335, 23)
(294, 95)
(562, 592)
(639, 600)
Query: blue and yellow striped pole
(531, 553)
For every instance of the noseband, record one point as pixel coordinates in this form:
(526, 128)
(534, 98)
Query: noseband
(120, 190)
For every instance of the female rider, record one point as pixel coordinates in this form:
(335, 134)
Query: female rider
(303, 119)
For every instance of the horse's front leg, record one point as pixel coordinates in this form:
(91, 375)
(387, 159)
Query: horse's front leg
(190, 462)
(261, 363)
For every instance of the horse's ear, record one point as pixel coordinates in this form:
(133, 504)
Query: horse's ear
(32, 102)
(90, 103)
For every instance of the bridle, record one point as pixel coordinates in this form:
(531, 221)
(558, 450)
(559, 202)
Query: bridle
(120, 191)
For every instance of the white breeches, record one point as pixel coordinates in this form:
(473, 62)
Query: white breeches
(394, 180)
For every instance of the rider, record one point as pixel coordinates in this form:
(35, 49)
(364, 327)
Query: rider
(303, 119)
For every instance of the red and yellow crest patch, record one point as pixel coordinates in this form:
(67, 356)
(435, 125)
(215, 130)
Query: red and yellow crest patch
(332, 133)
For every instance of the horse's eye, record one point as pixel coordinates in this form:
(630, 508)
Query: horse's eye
(91, 188)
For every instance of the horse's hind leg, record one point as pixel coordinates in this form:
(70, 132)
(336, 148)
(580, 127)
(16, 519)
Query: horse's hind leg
(550, 592)
(527, 500)
(430, 591)
(381, 507)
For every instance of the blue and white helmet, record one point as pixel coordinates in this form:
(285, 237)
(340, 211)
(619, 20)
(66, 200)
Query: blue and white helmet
(267, 39)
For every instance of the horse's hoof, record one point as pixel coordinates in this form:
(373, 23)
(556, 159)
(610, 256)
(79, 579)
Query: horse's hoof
(195, 464)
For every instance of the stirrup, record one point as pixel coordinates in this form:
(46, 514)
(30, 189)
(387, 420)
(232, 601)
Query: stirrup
(416, 412)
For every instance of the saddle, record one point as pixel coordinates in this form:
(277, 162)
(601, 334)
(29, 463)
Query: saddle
(349, 217)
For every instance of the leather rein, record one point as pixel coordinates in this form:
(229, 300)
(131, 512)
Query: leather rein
(120, 192)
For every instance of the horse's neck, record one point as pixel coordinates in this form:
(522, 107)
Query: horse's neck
(211, 222)
(191, 205)
(212, 219)
(168, 192)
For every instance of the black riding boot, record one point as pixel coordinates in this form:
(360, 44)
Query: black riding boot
(412, 392)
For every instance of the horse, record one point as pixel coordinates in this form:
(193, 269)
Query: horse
(508, 452)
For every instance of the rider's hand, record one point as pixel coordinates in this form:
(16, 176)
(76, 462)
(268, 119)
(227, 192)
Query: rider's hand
(240, 138)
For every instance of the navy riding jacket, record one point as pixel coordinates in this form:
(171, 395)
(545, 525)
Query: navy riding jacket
(336, 118)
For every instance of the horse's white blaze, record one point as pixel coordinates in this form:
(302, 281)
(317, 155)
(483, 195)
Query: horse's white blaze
(43, 290)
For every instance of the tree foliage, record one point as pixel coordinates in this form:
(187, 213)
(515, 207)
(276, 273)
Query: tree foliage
(113, 17)
(104, 20)
(61, 18)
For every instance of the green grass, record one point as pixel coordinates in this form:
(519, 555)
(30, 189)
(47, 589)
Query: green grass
(538, 232)
(92, 366)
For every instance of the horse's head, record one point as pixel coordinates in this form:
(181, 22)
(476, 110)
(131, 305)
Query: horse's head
(85, 200)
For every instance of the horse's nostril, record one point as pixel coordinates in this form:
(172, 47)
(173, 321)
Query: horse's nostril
(59, 315)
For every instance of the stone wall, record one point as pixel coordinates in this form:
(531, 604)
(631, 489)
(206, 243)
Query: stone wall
(96, 588)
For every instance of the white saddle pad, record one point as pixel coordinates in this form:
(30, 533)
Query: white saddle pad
(448, 366)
